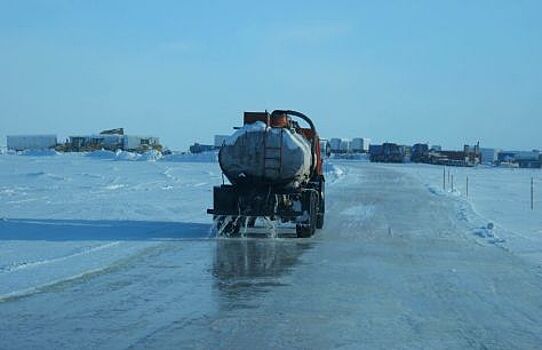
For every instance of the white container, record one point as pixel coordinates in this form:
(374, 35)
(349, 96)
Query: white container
(527, 155)
(31, 142)
(489, 155)
(112, 140)
(134, 143)
(335, 145)
(360, 145)
(345, 146)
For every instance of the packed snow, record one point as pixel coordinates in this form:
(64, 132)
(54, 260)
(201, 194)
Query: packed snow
(114, 250)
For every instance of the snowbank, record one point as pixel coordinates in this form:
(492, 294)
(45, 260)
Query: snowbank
(124, 155)
(39, 153)
(101, 155)
(204, 157)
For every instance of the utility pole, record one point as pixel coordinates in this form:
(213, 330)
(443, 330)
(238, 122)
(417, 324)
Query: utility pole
(532, 193)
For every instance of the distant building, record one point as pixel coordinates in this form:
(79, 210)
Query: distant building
(345, 146)
(489, 156)
(109, 140)
(31, 142)
(407, 152)
(199, 148)
(140, 143)
(420, 153)
(470, 156)
(506, 156)
(387, 153)
(523, 159)
(375, 149)
(338, 145)
(335, 145)
(360, 145)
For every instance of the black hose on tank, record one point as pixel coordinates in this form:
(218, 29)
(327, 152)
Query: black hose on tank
(311, 124)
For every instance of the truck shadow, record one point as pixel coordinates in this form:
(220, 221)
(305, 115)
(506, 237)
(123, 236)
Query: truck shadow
(96, 230)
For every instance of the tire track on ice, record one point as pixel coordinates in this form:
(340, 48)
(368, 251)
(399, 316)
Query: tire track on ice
(97, 265)
(24, 265)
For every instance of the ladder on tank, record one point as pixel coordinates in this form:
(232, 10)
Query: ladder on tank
(272, 156)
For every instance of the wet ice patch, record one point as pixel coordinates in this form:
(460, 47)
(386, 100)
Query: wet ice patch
(7, 191)
(362, 212)
(114, 187)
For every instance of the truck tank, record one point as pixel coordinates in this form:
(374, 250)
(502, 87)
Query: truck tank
(270, 153)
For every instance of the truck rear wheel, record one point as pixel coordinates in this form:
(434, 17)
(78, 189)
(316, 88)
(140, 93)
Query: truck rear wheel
(308, 228)
(320, 220)
(303, 231)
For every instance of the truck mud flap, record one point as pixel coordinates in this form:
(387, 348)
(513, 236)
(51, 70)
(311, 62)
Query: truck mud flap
(226, 201)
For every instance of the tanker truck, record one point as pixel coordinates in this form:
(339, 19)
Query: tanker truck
(274, 168)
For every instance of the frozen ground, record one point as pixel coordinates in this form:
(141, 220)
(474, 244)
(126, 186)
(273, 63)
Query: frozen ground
(496, 195)
(100, 253)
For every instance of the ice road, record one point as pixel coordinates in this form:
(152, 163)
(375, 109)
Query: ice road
(98, 253)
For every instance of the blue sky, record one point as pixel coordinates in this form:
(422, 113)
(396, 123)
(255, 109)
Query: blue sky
(406, 71)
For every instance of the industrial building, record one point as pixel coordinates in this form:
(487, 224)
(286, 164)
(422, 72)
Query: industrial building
(421, 153)
(219, 141)
(338, 145)
(521, 159)
(111, 140)
(489, 156)
(200, 148)
(356, 145)
(388, 153)
(31, 142)
(360, 145)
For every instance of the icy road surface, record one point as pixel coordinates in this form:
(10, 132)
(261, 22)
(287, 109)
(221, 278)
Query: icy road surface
(98, 253)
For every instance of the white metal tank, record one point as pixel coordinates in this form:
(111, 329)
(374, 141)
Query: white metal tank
(258, 154)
